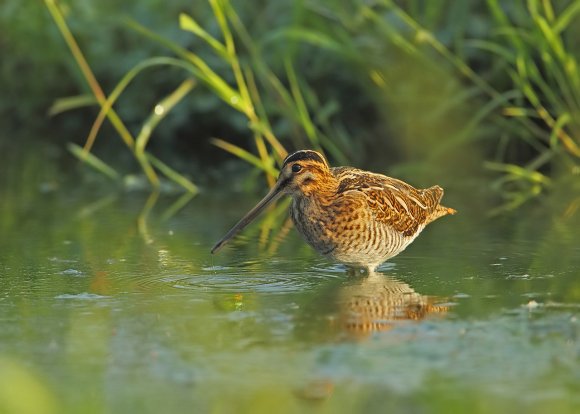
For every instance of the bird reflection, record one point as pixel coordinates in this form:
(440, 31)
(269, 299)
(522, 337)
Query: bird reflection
(376, 302)
(366, 304)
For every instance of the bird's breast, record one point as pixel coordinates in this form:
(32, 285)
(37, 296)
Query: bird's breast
(314, 221)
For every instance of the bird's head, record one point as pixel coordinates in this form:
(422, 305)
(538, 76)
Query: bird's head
(302, 173)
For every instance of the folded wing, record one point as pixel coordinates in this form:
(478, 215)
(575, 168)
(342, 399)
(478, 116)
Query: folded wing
(393, 202)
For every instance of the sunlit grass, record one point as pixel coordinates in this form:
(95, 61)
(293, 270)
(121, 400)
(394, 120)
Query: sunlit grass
(545, 73)
(137, 147)
(526, 94)
(237, 96)
(244, 94)
(528, 44)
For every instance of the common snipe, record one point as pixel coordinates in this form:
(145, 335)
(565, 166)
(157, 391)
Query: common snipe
(352, 216)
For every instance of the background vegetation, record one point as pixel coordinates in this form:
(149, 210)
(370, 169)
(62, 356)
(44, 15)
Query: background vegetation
(414, 88)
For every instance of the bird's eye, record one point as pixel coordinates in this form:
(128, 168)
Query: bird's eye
(296, 168)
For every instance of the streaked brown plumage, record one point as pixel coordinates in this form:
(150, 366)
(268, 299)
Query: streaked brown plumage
(352, 216)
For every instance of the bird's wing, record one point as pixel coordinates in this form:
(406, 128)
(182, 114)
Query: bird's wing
(392, 202)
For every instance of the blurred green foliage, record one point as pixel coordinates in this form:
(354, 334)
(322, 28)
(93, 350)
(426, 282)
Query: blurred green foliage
(429, 88)
(22, 391)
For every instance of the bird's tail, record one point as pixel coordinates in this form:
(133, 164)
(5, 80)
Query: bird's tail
(435, 194)
(440, 211)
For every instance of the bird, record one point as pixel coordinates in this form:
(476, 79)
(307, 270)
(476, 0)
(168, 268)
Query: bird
(351, 216)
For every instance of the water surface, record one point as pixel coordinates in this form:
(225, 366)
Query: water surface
(111, 302)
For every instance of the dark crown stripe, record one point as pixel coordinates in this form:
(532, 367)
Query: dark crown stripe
(304, 155)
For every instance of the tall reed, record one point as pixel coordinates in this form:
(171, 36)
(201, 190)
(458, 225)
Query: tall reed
(136, 146)
(529, 82)
(243, 94)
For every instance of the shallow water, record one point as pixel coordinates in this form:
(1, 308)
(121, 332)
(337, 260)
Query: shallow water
(110, 302)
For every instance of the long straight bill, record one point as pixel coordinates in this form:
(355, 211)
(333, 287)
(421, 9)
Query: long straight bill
(273, 195)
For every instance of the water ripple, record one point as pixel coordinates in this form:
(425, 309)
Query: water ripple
(81, 296)
(227, 281)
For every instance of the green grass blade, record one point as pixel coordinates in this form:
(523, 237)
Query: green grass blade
(305, 35)
(172, 174)
(86, 71)
(552, 38)
(492, 47)
(71, 42)
(390, 33)
(122, 85)
(518, 172)
(514, 111)
(502, 19)
(263, 126)
(301, 107)
(566, 17)
(177, 206)
(93, 161)
(187, 23)
(159, 112)
(561, 122)
(71, 102)
(245, 155)
(200, 68)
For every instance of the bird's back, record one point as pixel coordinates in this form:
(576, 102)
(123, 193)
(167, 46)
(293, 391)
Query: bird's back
(393, 202)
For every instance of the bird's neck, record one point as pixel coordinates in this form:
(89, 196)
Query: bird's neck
(321, 191)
